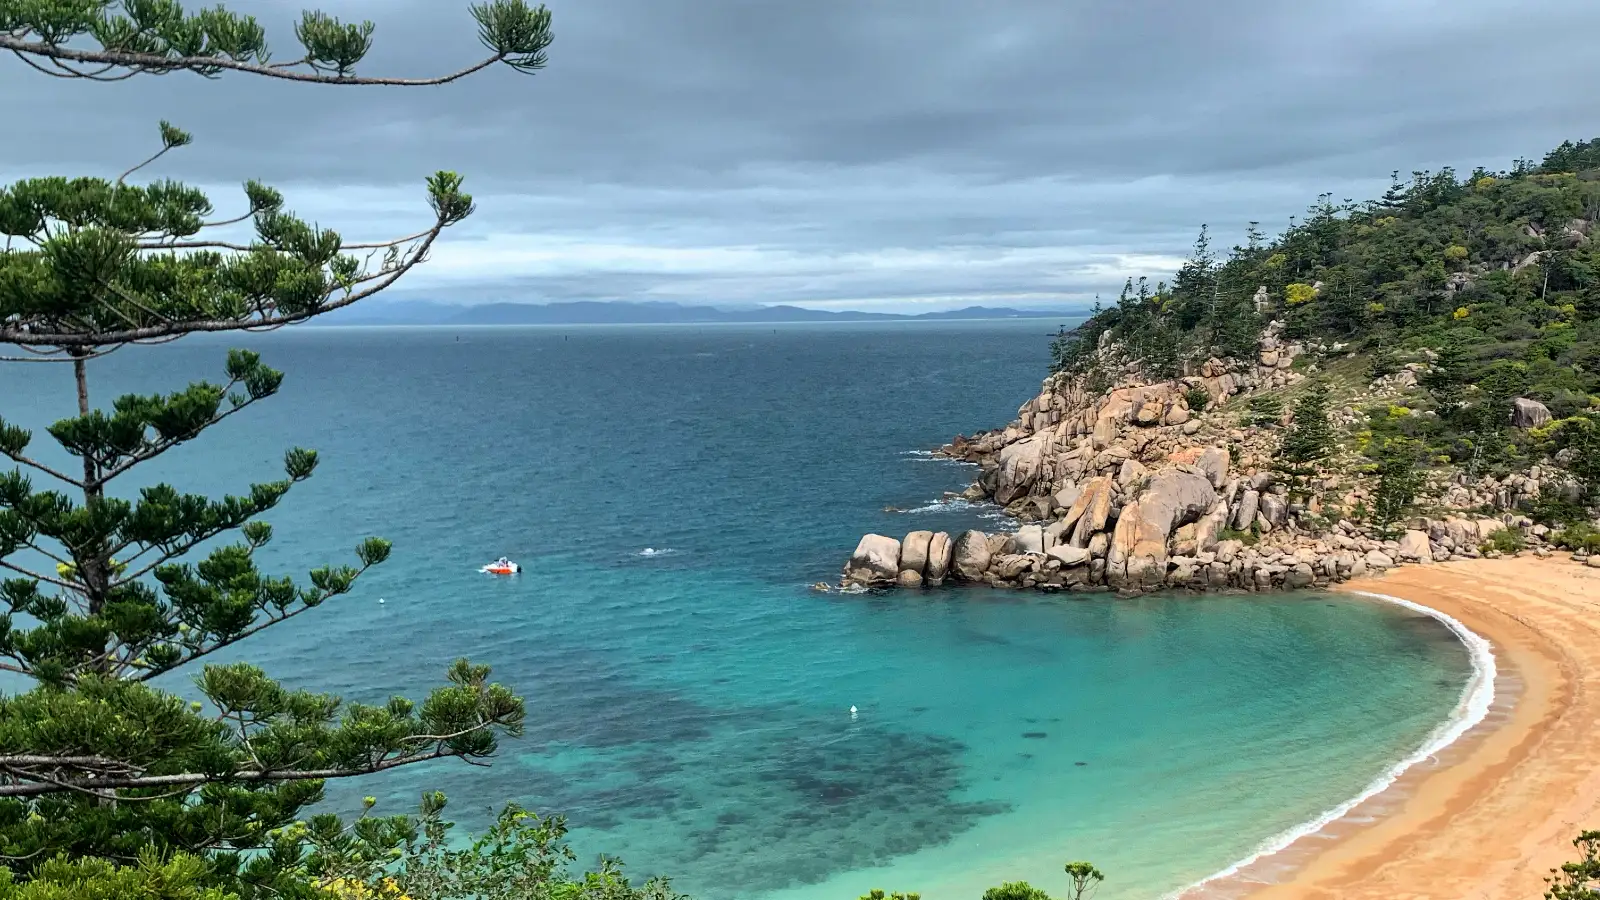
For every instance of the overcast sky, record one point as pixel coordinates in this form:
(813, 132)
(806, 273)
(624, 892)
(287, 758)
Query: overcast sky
(869, 154)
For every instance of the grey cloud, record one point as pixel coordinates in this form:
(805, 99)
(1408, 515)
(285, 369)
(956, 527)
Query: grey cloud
(1100, 127)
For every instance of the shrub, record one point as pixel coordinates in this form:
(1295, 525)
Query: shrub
(1248, 537)
(1553, 509)
(1506, 540)
(1578, 536)
(1197, 398)
(1015, 890)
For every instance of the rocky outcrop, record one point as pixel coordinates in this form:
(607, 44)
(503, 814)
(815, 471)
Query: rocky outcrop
(939, 557)
(1138, 554)
(1148, 486)
(1527, 413)
(971, 556)
(875, 562)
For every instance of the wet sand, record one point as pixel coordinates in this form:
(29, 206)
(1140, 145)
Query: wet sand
(1492, 814)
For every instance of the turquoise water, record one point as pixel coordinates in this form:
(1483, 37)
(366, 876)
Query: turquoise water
(688, 709)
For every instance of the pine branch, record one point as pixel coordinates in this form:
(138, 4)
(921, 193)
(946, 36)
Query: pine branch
(89, 337)
(32, 783)
(160, 63)
(41, 467)
(269, 621)
(25, 573)
(162, 446)
(248, 248)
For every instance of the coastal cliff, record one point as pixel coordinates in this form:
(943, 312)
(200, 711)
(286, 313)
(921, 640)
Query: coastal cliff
(1178, 484)
(1411, 379)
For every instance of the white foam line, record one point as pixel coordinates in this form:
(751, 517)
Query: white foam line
(1471, 708)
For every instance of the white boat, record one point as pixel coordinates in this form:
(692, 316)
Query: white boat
(501, 566)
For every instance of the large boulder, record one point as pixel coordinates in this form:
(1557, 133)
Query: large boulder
(1020, 465)
(971, 556)
(1132, 470)
(1089, 512)
(1028, 539)
(1414, 546)
(1069, 556)
(1138, 553)
(1274, 509)
(1013, 565)
(914, 551)
(1214, 462)
(939, 553)
(1067, 496)
(1527, 413)
(875, 562)
(1249, 504)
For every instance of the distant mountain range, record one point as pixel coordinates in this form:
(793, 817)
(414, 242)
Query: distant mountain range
(631, 313)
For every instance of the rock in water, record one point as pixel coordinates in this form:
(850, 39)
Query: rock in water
(1527, 413)
(938, 567)
(971, 556)
(914, 551)
(875, 562)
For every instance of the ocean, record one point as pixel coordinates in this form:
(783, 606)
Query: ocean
(671, 493)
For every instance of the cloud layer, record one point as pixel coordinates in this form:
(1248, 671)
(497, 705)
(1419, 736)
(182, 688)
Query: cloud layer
(847, 154)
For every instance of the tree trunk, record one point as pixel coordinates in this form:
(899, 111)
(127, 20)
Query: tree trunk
(93, 567)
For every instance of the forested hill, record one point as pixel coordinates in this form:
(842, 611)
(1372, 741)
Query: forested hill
(1488, 285)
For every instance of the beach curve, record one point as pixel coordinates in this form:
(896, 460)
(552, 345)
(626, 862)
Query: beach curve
(1495, 802)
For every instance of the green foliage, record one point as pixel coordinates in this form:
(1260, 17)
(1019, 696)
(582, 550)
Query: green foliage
(1310, 437)
(1015, 890)
(1580, 444)
(1483, 270)
(1265, 410)
(159, 37)
(1248, 537)
(876, 894)
(179, 877)
(113, 787)
(1398, 482)
(1579, 879)
(1578, 536)
(1308, 440)
(520, 856)
(1197, 398)
(1506, 540)
(1083, 879)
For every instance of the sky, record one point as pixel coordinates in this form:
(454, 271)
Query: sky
(892, 155)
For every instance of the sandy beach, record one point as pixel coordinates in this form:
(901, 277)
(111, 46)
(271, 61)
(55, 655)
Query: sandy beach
(1498, 809)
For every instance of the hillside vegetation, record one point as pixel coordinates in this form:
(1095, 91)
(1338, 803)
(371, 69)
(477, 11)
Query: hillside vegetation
(1447, 313)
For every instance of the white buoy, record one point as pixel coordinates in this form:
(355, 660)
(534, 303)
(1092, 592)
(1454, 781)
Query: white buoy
(380, 599)
(852, 712)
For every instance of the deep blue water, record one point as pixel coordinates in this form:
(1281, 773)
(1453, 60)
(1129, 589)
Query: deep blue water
(688, 708)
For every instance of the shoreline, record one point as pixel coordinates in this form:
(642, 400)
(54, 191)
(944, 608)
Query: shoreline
(1491, 801)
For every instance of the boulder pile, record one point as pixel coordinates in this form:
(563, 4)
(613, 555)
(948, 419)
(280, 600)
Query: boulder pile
(1134, 489)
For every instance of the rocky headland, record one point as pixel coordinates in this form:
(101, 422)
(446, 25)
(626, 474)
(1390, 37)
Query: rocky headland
(1148, 486)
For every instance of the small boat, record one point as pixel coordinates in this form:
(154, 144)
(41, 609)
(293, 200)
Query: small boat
(502, 566)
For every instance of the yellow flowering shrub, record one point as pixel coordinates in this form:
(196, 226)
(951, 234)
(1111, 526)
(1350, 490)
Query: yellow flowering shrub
(1298, 293)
